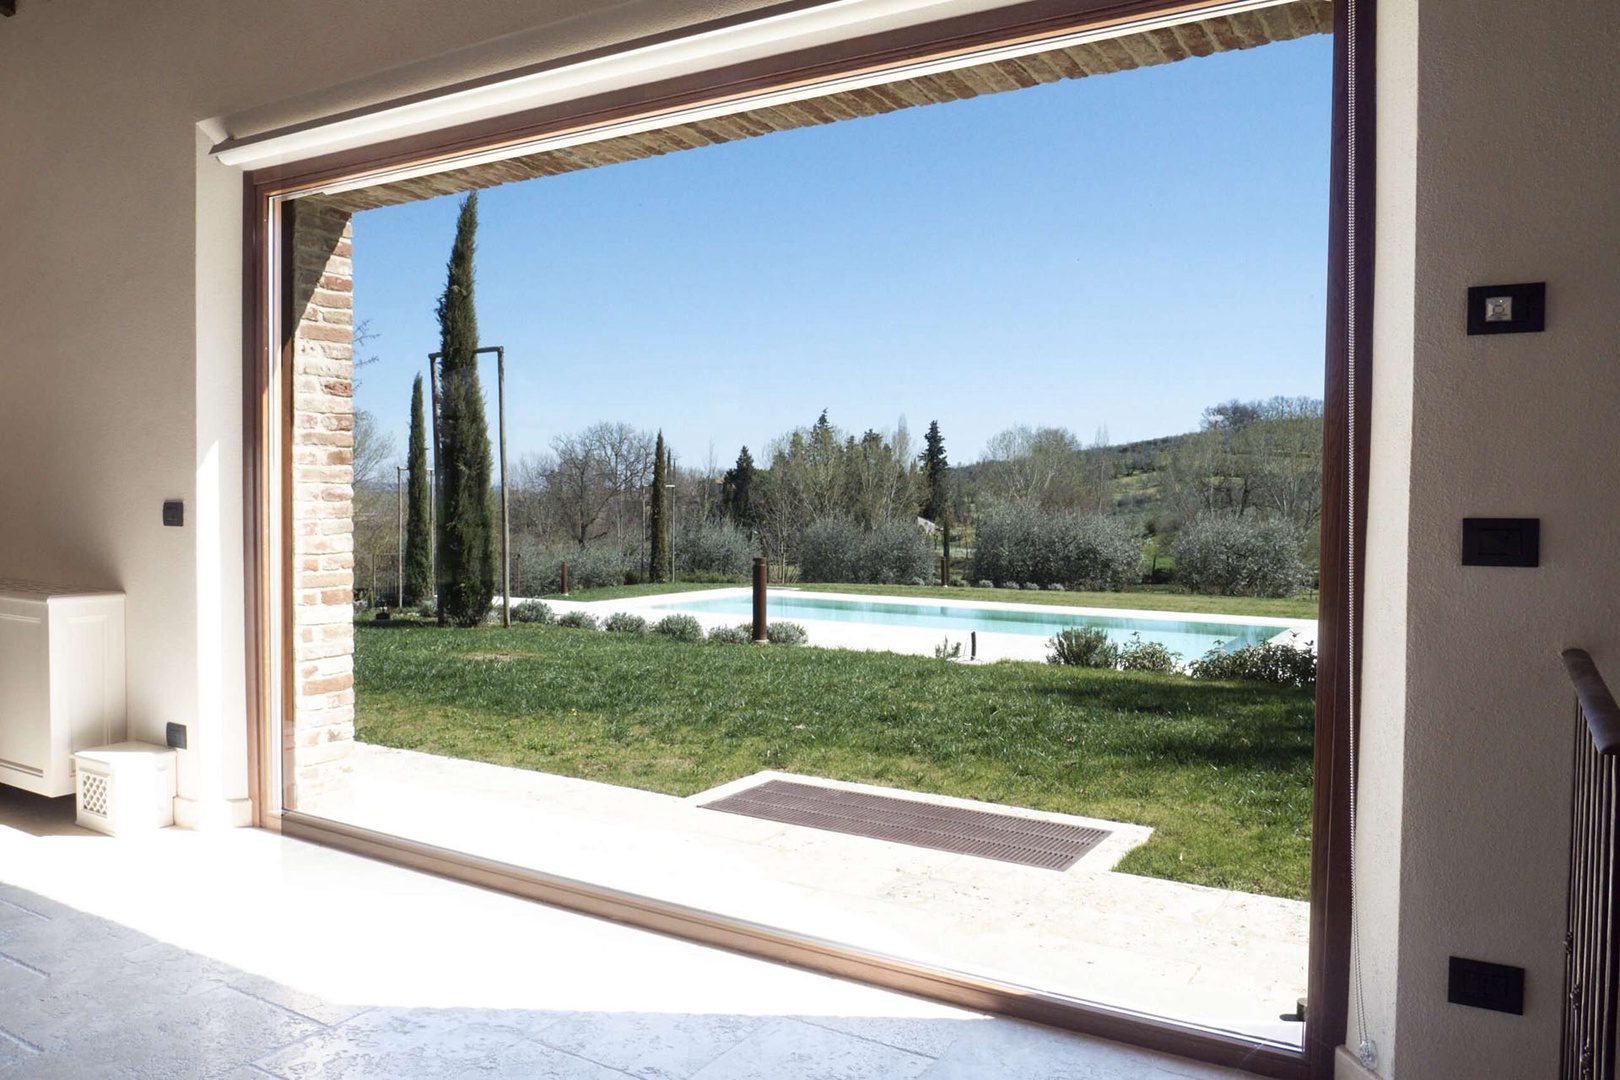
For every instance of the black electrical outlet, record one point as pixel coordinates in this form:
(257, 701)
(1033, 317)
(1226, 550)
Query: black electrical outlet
(1508, 309)
(1501, 542)
(174, 513)
(175, 735)
(1481, 985)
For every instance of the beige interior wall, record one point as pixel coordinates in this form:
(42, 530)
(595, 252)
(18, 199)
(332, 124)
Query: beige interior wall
(1517, 151)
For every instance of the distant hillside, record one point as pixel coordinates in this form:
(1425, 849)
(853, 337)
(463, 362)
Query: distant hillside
(1137, 469)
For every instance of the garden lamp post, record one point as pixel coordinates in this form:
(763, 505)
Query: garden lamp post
(669, 528)
(399, 489)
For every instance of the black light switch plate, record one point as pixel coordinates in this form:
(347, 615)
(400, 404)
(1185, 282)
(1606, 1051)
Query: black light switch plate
(174, 513)
(175, 736)
(1501, 542)
(1481, 985)
(1508, 309)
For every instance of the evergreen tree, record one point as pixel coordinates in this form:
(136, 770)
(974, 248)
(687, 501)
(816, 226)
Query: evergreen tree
(418, 511)
(935, 468)
(658, 519)
(466, 524)
(737, 491)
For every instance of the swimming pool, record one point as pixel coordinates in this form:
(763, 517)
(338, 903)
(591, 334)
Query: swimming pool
(1190, 638)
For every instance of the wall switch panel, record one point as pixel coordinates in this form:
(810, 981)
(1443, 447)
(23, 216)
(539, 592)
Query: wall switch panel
(1482, 985)
(1501, 542)
(1508, 309)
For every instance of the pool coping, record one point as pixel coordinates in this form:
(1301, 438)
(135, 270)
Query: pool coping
(993, 645)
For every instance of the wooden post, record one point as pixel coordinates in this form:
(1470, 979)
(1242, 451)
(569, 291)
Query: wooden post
(761, 576)
(565, 579)
(945, 534)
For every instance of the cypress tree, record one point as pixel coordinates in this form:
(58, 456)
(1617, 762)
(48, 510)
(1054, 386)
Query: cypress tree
(418, 516)
(935, 467)
(737, 491)
(466, 524)
(658, 519)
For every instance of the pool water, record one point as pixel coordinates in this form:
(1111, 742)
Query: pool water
(1192, 639)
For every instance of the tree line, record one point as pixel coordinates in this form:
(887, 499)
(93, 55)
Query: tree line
(615, 498)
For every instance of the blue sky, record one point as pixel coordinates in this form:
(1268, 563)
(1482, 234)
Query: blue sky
(1115, 251)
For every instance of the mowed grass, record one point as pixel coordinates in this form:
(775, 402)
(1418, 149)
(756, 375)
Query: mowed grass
(1221, 771)
(1144, 597)
(624, 592)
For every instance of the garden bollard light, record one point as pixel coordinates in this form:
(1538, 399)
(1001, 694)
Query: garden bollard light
(761, 631)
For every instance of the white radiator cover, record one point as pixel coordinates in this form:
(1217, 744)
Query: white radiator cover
(125, 788)
(61, 681)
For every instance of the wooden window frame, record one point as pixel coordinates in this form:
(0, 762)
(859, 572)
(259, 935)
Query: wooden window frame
(267, 487)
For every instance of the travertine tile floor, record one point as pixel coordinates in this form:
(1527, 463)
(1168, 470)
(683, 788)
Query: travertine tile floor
(1225, 960)
(241, 955)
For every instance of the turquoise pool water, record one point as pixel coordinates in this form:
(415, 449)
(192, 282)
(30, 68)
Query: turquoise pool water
(1190, 639)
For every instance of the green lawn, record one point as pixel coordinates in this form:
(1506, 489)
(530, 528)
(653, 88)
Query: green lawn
(622, 592)
(1221, 771)
(1151, 597)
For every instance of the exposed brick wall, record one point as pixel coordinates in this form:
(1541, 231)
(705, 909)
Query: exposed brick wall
(321, 738)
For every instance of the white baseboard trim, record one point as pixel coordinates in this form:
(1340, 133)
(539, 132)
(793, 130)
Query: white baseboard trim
(1346, 1067)
(206, 814)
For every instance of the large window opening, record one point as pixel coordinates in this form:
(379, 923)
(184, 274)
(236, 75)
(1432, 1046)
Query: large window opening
(1008, 381)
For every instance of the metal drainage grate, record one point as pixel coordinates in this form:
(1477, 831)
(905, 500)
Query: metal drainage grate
(1008, 837)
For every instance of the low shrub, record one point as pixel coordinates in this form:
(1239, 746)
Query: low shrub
(730, 635)
(958, 583)
(948, 650)
(1031, 586)
(986, 584)
(1025, 543)
(591, 566)
(1268, 662)
(578, 620)
(1057, 586)
(1139, 655)
(622, 622)
(839, 550)
(1238, 556)
(918, 581)
(679, 627)
(779, 633)
(784, 633)
(532, 611)
(711, 577)
(1083, 646)
(712, 551)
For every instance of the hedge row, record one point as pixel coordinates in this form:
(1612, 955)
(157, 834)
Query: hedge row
(1033, 547)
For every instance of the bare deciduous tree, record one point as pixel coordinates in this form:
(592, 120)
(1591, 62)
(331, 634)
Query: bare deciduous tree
(1039, 466)
(375, 453)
